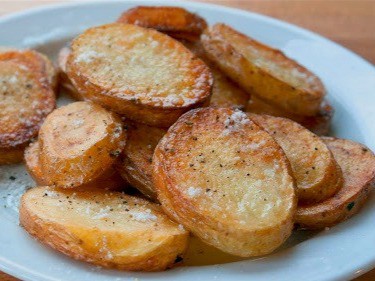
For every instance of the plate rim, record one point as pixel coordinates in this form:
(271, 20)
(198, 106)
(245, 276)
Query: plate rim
(344, 274)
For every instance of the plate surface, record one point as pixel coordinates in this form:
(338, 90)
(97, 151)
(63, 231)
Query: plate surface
(340, 253)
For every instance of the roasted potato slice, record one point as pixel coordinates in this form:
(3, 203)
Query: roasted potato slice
(45, 64)
(317, 174)
(135, 162)
(26, 98)
(107, 229)
(174, 21)
(65, 83)
(318, 124)
(263, 71)
(110, 180)
(226, 180)
(358, 167)
(140, 73)
(225, 93)
(79, 142)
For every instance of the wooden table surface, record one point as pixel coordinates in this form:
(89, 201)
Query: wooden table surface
(348, 22)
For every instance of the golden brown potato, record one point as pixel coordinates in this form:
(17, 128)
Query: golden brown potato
(45, 63)
(317, 174)
(110, 180)
(357, 163)
(226, 180)
(174, 21)
(225, 93)
(78, 143)
(318, 124)
(263, 71)
(65, 83)
(26, 98)
(11, 155)
(107, 229)
(135, 162)
(140, 73)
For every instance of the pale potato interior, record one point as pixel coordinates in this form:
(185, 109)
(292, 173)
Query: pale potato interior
(106, 213)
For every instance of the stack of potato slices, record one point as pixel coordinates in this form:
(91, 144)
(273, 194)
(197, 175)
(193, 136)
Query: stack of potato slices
(175, 109)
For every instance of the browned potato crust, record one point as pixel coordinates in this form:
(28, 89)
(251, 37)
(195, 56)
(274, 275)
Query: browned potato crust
(65, 83)
(318, 124)
(174, 21)
(139, 73)
(11, 155)
(79, 142)
(315, 170)
(110, 180)
(44, 62)
(263, 71)
(225, 93)
(136, 158)
(112, 230)
(26, 99)
(226, 180)
(357, 163)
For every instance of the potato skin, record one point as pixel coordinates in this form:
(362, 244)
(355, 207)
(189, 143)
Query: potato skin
(79, 142)
(174, 21)
(187, 156)
(135, 164)
(157, 96)
(317, 174)
(319, 124)
(358, 166)
(156, 241)
(263, 71)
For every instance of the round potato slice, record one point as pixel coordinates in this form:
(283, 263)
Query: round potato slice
(135, 165)
(110, 180)
(319, 124)
(226, 180)
(357, 163)
(107, 229)
(78, 143)
(317, 174)
(45, 64)
(65, 83)
(174, 21)
(263, 71)
(140, 73)
(25, 100)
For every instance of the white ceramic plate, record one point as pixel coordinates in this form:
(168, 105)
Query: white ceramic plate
(340, 253)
